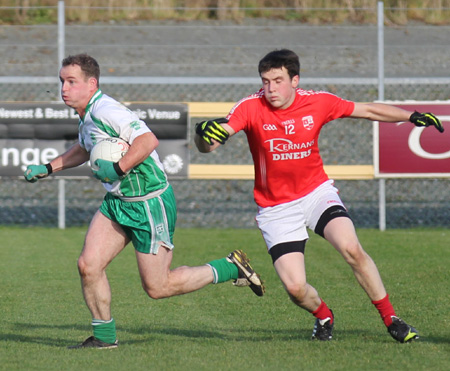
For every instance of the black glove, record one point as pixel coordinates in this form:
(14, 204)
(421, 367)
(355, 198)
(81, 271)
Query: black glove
(212, 129)
(425, 120)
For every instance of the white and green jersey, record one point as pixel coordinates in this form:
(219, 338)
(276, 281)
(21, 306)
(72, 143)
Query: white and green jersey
(105, 117)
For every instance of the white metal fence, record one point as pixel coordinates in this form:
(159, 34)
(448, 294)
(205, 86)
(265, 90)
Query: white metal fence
(216, 61)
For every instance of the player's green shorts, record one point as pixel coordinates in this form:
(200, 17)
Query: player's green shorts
(148, 223)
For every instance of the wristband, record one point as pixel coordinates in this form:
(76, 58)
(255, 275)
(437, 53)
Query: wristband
(49, 168)
(118, 169)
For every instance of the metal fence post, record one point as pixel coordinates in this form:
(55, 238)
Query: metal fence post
(61, 52)
(61, 203)
(61, 35)
(382, 182)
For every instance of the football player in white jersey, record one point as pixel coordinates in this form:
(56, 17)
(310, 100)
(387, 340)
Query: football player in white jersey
(139, 206)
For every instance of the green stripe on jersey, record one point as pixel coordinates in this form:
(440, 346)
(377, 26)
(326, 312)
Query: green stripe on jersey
(145, 178)
(104, 127)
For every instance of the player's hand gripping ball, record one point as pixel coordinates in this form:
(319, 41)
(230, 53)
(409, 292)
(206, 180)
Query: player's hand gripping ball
(425, 120)
(212, 130)
(104, 159)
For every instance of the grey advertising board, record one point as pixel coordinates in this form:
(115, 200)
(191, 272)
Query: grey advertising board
(35, 133)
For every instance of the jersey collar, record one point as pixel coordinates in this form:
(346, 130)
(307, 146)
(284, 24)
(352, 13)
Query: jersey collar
(98, 94)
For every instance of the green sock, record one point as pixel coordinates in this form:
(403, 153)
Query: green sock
(104, 330)
(223, 270)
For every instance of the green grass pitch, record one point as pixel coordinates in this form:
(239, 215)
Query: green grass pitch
(222, 327)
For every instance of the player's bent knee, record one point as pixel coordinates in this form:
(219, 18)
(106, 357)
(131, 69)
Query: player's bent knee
(153, 292)
(87, 269)
(82, 266)
(296, 291)
(354, 254)
(284, 248)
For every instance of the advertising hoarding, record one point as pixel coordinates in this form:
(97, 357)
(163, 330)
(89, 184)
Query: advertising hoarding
(35, 133)
(404, 150)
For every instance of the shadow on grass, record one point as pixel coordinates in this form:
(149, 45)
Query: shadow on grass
(235, 335)
(153, 334)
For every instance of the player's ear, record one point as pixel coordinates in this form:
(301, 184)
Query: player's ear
(295, 81)
(93, 83)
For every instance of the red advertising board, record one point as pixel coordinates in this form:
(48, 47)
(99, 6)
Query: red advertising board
(404, 150)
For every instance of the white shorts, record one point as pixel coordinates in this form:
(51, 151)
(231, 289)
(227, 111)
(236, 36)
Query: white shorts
(288, 221)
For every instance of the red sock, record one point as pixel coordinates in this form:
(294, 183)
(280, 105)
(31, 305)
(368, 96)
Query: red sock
(323, 312)
(385, 309)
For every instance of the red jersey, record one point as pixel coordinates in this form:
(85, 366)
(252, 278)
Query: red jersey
(284, 142)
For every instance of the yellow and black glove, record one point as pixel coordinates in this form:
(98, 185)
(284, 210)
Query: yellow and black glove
(212, 129)
(425, 120)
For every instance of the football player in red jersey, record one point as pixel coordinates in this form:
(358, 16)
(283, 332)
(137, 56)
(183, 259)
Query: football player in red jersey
(282, 123)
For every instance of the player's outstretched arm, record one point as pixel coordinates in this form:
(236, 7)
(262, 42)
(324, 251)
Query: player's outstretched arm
(74, 156)
(380, 112)
(387, 113)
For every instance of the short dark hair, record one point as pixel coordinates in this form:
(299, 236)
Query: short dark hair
(280, 58)
(88, 65)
